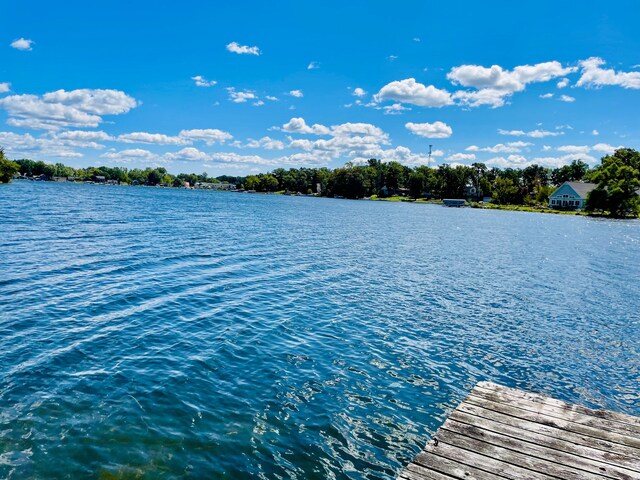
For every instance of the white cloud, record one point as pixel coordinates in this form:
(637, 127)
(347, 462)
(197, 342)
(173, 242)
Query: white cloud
(394, 109)
(267, 143)
(84, 135)
(430, 130)
(313, 66)
(188, 154)
(574, 149)
(210, 136)
(392, 58)
(532, 133)
(461, 157)
(496, 77)
(75, 108)
(152, 138)
(58, 145)
(486, 96)
(555, 162)
(547, 95)
(595, 132)
(271, 98)
(566, 98)
(242, 96)
(259, 103)
(494, 84)
(563, 83)
(235, 47)
(399, 154)
(296, 93)
(200, 81)
(298, 125)
(416, 39)
(22, 44)
(5, 87)
(511, 147)
(359, 92)
(512, 161)
(130, 154)
(100, 102)
(410, 91)
(595, 76)
(605, 148)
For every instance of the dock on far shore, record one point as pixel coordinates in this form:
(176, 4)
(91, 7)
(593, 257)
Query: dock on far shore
(499, 432)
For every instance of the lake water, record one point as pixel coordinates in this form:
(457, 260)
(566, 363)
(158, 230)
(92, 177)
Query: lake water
(161, 333)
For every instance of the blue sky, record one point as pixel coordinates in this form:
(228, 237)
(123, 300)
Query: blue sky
(240, 88)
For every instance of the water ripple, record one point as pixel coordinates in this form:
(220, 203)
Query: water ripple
(152, 333)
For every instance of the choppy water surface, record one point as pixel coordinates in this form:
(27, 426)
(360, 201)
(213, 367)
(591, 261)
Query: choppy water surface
(152, 333)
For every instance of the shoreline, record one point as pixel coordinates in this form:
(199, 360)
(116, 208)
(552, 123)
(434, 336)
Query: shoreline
(374, 198)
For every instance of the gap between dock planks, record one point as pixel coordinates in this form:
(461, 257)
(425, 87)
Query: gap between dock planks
(499, 432)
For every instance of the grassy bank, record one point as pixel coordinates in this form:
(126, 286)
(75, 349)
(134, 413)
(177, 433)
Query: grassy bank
(527, 208)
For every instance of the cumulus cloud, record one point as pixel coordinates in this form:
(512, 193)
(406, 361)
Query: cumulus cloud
(394, 109)
(210, 136)
(547, 95)
(400, 154)
(511, 147)
(574, 148)
(462, 157)
(566, 98)
(128, 155)
(593, 75)
(410, 91)
(494, 84)
(555, 162)
(595, 132)
(359, 92)
(75, 108)
(430, 130)
(84, 136)
(271, 98)
(605, 148)
(241, 96)
(563, 83)
(298, 125)
(52, 145)
(532, 133)
(296, 93)
(267, 143)
(22, 44)
(152, 138)
(200, 81)
(188, 154)
(313, 66)
(5, 87)
(496, 77)
(235, 47)
(487, 96)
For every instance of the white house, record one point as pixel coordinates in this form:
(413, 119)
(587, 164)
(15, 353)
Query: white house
(571, 195)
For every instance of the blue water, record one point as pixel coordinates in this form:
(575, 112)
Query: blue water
(161, 333)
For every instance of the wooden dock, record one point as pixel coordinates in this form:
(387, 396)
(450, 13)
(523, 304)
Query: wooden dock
(498, 432)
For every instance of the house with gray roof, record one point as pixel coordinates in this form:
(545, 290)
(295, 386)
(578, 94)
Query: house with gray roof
(571, 195)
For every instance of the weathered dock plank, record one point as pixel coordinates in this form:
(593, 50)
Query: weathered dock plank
(499, 432)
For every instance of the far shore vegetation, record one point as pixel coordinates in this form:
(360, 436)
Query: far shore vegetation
(526, 189)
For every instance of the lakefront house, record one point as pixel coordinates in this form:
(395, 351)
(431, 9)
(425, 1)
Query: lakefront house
(571, 195)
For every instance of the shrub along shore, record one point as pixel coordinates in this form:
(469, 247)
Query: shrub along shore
(526, 189)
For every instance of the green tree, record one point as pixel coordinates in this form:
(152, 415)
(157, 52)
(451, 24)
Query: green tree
(7, 168)
(505, 191)
(618, 179)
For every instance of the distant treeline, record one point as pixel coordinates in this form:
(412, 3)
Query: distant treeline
(618, 176)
